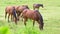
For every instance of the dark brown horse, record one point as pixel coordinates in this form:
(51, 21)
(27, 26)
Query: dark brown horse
(37, 6)
(10, 10)
(20, 9)
(34, 15)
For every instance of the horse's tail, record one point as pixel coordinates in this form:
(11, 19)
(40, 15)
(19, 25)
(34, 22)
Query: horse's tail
(5, 13)
(41, 22)
(14, 14)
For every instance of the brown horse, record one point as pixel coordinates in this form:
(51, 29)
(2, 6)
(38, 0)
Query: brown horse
(20, 9)
(34, 15)
(25, 6)
(37, 6)
(10, 10)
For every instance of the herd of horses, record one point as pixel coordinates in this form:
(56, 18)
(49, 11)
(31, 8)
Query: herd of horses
(16, 12)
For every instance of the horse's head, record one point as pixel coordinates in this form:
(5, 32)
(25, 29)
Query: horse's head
(25, 6)
(41, 5)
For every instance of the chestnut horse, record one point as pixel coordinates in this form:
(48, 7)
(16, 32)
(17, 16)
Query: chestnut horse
(20, 9)
(10, 10)
(34, 15)
(37, 6)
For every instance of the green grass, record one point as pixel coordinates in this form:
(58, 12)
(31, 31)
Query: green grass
(50, 13)
(4, 30)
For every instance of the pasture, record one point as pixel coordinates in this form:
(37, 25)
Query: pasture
(50, 13)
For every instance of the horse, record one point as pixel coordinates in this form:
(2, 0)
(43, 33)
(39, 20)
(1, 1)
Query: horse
(33, 15)
(25, 6)
(20, 9)
(10, 10)
(37, 6)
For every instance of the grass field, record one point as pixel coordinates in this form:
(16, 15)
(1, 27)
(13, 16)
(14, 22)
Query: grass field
(50, 13)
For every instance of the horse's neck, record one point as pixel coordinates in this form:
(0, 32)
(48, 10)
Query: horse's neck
(37, 11)
(25, 10)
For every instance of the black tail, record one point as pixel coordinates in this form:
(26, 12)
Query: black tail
(14, 14)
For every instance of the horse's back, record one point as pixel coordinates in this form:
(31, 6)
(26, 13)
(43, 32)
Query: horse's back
(31, 14)
(21, 8)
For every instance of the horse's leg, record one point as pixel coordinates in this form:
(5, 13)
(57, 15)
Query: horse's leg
(8, 17)
(18, 15)
(16, 21)
(11, 17)
(33, 23)
(5, 14)
(33, 8)
(25, 19)
(21, 17)
(38, 8)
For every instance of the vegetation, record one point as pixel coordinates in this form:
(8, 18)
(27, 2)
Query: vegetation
(50, 13)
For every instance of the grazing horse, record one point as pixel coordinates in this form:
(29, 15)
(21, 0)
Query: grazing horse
(37, 6)
(34, 15)
(25, 6)
(20, 9)
(10, 10)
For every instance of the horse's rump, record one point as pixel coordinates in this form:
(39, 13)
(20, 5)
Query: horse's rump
(9, 9)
